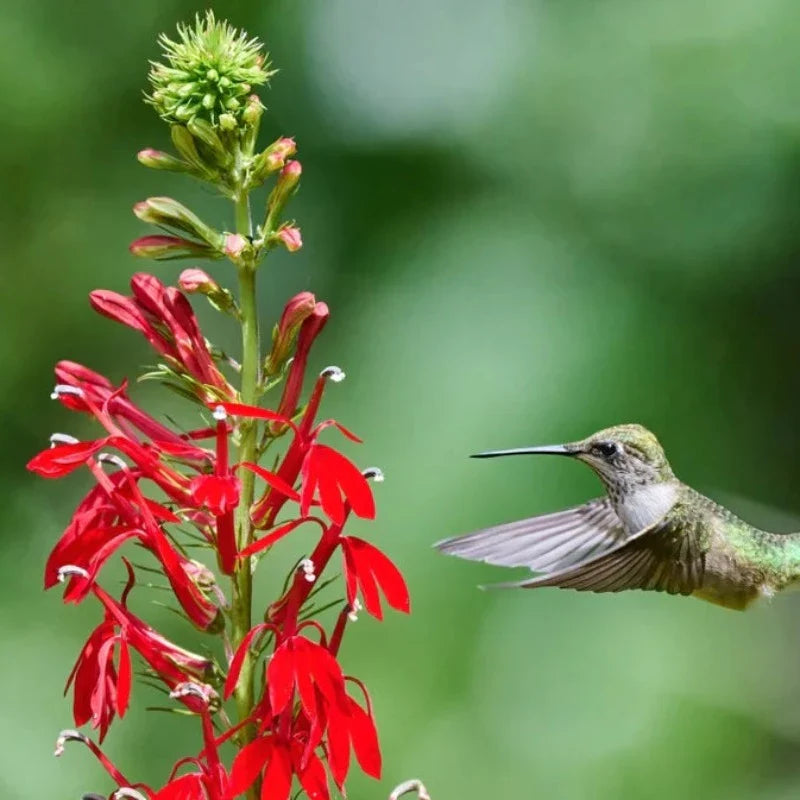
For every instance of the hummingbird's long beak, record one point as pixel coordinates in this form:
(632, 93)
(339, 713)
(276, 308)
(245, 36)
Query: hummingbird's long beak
(549, 450)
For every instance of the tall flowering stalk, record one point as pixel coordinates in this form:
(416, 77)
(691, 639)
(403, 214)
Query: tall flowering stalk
(275, 707)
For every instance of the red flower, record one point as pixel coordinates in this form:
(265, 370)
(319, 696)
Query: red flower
(165, 317)
(368, 569)
(102, 689)
(309, 330)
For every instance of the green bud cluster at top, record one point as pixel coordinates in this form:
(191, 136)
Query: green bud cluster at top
(209, 73)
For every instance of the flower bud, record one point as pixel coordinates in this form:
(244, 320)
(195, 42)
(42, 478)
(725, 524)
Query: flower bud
(195, 281)
(284, 188)
(300, 307)
(186, 147)
(289, 237)
(164, 211)
(156, 159)
(237, 247)
(272, 159)
(204, 132)
(163, 248)
(253, 110)
(210, 68)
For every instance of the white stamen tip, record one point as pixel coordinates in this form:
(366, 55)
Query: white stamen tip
(308, 568)
(220, 414)
(126, 791)
(191, 688)
(336, 374)
(69, 735)
(110, 458)
(354, 609)
(62, 438)
(375, 474)
(64, 388)
(71, 571)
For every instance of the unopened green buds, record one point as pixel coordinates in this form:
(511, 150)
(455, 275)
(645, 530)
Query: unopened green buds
(169, 213)
(284, 188)
(165, 248)
(196, 281)
(208, 72)
(272, 159)
(155, 159)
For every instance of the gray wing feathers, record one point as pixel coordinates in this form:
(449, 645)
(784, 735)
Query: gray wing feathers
(546, 543)
(654, 559)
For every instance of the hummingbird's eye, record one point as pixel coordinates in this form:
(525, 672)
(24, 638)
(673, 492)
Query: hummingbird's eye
(606, 449)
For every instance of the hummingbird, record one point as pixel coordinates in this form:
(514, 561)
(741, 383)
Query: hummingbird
(650, 531)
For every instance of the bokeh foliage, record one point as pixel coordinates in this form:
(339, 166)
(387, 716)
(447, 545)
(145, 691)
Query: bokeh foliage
(530, 219)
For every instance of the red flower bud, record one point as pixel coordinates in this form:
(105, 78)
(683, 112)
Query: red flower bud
(296, 311)
(163, 248)
(195, 280)
(290, 237)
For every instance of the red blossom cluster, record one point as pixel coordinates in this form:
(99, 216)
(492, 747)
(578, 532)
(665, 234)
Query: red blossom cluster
(160, 487)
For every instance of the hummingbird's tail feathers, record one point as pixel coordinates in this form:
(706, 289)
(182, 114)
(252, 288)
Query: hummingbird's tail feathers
(546, 543)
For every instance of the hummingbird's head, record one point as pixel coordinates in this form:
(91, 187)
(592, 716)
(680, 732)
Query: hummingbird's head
(624, 457)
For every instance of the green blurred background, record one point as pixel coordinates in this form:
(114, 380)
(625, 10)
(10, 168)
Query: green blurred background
(531, 220)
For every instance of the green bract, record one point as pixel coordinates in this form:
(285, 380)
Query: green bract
(209, 72)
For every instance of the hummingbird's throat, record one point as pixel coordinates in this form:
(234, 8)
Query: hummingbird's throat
(642, 506)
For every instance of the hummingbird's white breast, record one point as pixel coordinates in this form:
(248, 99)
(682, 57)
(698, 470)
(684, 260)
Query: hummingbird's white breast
(645, 505)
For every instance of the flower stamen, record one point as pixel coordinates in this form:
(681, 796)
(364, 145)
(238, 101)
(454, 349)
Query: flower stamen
(65, 388)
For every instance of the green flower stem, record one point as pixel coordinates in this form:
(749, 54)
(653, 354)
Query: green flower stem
(241, 611)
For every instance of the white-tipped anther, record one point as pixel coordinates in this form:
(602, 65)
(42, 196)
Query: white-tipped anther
(126, 791)
(111, 458)
(336, 374)
(354, 609)
(191, 689)
(220, 414)
(62, 438)
(65, 388)
(69, 735)
(309, 570)
(71, 571)
(374, 473)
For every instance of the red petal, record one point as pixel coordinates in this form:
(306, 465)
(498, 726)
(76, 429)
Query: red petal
(350, 571)
(324, 668)
(119, 308)
(218, 493)
(275, 481)
(254, 412)
(280, 677)
(338, 746)
(55, 462)
(185, 787)
(313, 779)
(238, 659)
(248, 764)
(124, 678)
(273, 536)
(365, 740)
(388, 577)
(278, 777)
(366, 580)
(354, 485)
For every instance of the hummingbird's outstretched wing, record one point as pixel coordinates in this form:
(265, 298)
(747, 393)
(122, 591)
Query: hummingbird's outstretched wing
(669, 556)
(546, 543)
